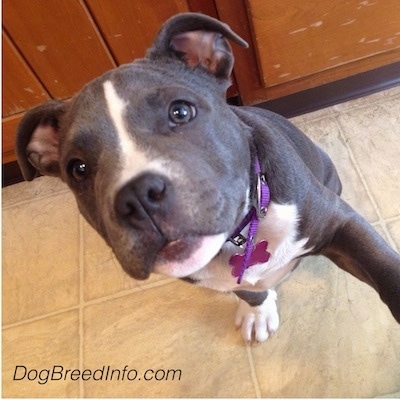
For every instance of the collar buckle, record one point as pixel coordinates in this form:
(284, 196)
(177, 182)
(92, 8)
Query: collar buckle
(239, 240)
(261, 201)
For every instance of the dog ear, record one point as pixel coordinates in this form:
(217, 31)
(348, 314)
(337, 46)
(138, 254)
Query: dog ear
(198, 40)
(37, 140)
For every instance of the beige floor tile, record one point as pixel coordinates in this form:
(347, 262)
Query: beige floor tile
(176, 326)
(325, 132)
(103, 275)
(337, 339)
(26, 191)
(41, 345)
(373, 135)
(40, 257)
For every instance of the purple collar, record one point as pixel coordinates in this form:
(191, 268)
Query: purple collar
(253, 253)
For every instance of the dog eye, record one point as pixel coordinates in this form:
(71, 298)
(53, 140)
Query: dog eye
(181, 112)
(78, 170)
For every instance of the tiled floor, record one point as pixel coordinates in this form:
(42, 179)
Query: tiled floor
(67, 303)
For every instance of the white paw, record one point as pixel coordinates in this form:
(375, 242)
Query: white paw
(262, 320)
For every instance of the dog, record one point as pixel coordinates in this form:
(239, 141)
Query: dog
(179, 183)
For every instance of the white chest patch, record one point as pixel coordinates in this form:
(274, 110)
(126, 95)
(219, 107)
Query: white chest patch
(279, 228)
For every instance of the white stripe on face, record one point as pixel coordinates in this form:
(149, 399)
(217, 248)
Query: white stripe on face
(134, 161)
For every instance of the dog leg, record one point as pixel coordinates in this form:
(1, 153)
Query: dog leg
(357, 248)
(257, 314)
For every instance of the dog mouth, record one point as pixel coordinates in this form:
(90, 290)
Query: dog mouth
(172, 252)
(185, 256)
(176, 250)
(181, 255)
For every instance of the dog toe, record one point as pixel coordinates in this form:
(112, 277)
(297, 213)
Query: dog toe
(259, 322)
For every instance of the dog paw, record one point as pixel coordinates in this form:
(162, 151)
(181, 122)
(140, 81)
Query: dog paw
(258, 322)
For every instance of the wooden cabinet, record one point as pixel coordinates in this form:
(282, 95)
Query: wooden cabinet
(51, 48)
(300, 44)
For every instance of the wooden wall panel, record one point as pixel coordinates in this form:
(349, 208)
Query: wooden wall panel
(129, 27)
(21, 89)
(59, 40)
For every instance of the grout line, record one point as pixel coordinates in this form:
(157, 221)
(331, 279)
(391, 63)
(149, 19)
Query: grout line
(253, 372)
(82, 304)
(392, 219)
(39, 318)
(358, 169)
(127, 292)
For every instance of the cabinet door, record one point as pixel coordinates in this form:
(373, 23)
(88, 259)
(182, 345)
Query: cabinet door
(59, 41)
(297, 45)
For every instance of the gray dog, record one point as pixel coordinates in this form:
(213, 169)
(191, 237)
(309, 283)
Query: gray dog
(179, 183)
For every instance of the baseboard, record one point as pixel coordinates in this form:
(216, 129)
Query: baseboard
(336, 92)
(299, 103)
(11, 174)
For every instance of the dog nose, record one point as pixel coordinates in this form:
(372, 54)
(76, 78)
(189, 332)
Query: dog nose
(142, 199)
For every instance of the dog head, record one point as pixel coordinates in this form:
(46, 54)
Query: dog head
(158, 162)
